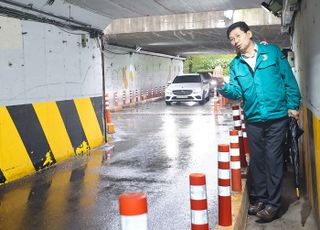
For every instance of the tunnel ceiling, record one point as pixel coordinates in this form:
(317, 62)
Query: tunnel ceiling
(138, 8)
(193, 42)
(100, 13)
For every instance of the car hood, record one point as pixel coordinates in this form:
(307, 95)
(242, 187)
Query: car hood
(178, 86)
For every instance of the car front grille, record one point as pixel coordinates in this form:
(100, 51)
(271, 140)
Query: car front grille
(182, 92)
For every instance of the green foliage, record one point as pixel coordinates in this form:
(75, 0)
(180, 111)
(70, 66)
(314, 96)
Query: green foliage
(202, 63)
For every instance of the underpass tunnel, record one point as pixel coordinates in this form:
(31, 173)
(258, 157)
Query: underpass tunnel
(60, 58)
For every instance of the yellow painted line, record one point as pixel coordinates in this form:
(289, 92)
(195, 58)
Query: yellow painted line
(54, 130)
(14, 159)
(307, 155)
(89, 121)
(316, 129)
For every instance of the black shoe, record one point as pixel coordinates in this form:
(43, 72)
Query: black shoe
(255, 208)
(268, 214)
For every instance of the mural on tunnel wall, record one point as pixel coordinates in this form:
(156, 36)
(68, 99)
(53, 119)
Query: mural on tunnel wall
(125, 72)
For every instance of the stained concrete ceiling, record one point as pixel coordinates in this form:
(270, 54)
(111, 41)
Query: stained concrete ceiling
(193, 42)
(138, 8)
(100, 13)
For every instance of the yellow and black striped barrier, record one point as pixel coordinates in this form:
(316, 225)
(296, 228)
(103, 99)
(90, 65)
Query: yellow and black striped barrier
(36, 136)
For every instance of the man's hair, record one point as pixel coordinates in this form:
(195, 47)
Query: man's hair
(241, 25)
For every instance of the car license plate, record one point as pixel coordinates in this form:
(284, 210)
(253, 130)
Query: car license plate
(182, 96)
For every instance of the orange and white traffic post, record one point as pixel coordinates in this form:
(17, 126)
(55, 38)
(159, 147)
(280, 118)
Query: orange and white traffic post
(245, 138)
(133, 210)
(116, 105)
(130, 98)
(237, 125)
(224, 191)
(235, 161)
(137, 96)
(215, 106)
(141, 96)
(124, 98)
(221, 102)
(198, 202)
(110, 125)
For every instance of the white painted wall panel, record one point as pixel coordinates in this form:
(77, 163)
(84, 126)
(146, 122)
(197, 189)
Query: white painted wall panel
(34, 43)
(48, 65)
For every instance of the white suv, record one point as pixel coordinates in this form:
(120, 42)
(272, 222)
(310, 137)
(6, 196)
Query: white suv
(187, 87)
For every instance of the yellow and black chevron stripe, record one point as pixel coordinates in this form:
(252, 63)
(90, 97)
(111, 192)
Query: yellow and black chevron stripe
(2, 178)
(310, 156)
(36, 136)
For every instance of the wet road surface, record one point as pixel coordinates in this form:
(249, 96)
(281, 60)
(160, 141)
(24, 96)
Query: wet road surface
(155, 148)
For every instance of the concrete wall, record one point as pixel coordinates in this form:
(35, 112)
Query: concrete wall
(51, 104)
(50, 96)
(41, 62)
(307, 67)
(125, 72)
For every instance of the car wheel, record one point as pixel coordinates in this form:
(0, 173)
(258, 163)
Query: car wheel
(208, 97)
(168, 102)
(203, 99)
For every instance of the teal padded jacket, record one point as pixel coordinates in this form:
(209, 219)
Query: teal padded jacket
(268, 91)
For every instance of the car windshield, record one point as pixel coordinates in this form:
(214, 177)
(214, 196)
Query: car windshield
(187, 79)
(206, 76)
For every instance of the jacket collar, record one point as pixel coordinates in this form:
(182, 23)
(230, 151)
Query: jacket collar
(262, 51)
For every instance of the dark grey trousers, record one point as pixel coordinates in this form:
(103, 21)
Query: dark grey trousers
(266, 146)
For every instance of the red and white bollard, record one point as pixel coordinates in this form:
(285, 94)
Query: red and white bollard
(141, 96)
(224, 194)
(156, 89)
(245, 138)
(133, 210)
(235, 161)
(236, 116)
(237, 125)
(116, 106)
(198, 201)
(151, 95)
(137, 96)
(124, 98)
(131, 99)
(147, 94)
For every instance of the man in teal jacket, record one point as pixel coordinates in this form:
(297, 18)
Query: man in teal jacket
(261, 76)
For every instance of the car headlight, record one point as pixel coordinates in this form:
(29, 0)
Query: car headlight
(197, 91)
(168, 92)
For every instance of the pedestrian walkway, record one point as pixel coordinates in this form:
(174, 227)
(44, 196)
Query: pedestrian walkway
(295, 214)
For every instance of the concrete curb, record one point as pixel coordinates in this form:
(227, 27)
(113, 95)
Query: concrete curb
(240, 203)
